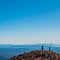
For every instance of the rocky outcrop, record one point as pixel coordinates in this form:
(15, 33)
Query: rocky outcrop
(37, 55)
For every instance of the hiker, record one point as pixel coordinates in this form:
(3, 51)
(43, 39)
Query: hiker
(42, 47)
(49, 48)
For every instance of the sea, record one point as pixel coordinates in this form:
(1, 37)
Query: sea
(8, 51)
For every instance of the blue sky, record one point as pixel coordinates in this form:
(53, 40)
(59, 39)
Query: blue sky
(29, 21)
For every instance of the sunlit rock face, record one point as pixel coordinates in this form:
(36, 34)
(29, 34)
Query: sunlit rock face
(37, 55)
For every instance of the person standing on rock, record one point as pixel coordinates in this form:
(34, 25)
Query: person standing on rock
(49, 48)
(42, 48)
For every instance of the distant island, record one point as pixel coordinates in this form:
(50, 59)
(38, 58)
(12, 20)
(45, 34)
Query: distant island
(38, 55)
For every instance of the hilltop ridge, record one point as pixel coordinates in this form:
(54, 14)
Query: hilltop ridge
(37, 55)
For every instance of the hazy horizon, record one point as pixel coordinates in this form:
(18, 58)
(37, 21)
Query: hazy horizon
(30, 22)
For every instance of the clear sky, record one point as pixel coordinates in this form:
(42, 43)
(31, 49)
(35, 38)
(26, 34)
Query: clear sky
(29, 21)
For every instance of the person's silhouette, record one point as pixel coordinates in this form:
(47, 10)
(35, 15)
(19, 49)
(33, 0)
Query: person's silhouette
(49, 48)
(42, 47)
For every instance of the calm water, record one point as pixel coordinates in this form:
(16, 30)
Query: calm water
(12, 50)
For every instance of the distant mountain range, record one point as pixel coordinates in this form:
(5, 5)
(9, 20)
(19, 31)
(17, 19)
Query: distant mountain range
(26, 45)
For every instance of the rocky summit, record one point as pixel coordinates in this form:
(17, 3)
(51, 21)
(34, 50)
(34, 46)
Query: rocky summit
(37, 55)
